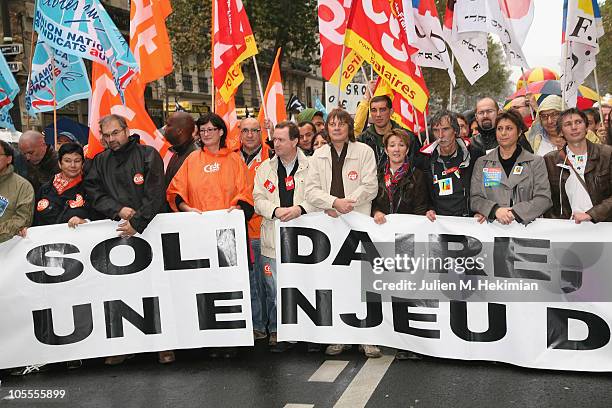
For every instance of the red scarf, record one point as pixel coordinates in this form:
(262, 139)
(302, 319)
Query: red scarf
(392, 180)
(61, 183)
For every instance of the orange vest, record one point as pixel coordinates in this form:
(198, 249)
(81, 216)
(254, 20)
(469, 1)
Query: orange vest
(254, 224)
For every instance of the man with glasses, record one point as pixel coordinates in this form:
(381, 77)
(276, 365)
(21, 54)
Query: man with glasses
(41, 159)
(486, 114)
(126, 183)
(16, 197)
(254, 152)
(307, 132)
(543, 135)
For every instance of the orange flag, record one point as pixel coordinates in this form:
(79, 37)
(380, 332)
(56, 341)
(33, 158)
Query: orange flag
(149, 40)
(105, 100)
(274, 100)
(227, 110)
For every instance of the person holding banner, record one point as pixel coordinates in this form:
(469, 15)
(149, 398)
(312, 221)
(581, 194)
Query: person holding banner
(580, 174)
(509, 183)
(254, 153)
(212, 178)
(447, 164)
(126, 183)
(279, 194)
(16, 197)
(341, 179)
(63, 199)
(401, 186)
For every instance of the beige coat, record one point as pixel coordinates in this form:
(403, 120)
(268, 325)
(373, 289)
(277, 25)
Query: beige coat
(266, 202)
(358, 176)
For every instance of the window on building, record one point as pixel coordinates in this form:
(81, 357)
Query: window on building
(203, 83)
(170, 81)
(187, 82)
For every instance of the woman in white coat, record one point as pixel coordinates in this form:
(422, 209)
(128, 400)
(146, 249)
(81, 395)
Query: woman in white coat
(342, 178)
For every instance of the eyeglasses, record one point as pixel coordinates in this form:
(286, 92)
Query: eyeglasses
(208, 130)
(548, 116)
(246, 131)
(487, 112)
(114, 133)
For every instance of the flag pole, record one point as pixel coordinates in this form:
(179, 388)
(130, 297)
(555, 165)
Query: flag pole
(31, 62)
(426, 125)
(367, 80)
(450, 93)
(261, 93)
(340, 72)
(212, 57)
(527, 94)
(54, 100)
(601, 119)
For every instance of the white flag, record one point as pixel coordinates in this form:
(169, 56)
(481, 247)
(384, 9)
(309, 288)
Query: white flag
(582, 29)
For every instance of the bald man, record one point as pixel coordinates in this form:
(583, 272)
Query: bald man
(41, 159)
(253, 152)
(179, 132)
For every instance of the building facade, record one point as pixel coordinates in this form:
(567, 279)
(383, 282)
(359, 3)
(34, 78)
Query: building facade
(188, 85)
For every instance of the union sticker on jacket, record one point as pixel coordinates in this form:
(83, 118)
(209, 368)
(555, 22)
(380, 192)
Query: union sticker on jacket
(492, 176)
(446, 186)
(4, 202)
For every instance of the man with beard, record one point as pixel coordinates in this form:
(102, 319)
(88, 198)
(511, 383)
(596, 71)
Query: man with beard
(486, 114)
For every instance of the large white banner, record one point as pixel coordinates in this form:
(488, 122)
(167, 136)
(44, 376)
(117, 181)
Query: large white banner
(536, 296)
(73, 294)
(349, 99)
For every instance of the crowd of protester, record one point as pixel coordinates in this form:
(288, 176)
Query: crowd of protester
(520, 164)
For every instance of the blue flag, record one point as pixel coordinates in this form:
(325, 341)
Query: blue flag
(6, 121)
(71, 81)
(319, 106)
(8, 85)
(84, 28)
(8, 91)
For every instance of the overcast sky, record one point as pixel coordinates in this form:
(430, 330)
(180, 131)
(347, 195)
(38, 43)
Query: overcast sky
(542, 47)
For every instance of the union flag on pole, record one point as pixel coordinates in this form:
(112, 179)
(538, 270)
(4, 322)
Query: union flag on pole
(274, 99)
(582, 28)
(105, 100)
(233, 42)
(149, 39)
(403, 111)
(333, 16)
(373, 31)
(227, 110)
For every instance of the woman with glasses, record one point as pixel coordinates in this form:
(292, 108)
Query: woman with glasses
(212, 178)
(342, 179)
(509, 183)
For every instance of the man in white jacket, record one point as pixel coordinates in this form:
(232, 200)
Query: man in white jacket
(278, 191)
(342, 178)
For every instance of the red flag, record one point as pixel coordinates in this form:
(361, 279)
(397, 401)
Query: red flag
(274, 99)
(374, 33)
(233, 42)
(227, 110)
(105, 100)
(333, 16)
(403, 111)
